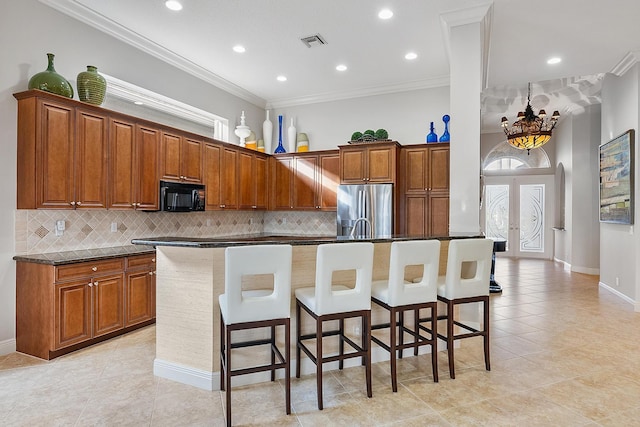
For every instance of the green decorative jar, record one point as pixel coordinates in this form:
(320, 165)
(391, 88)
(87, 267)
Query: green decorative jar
(51, 81)
(91, 86)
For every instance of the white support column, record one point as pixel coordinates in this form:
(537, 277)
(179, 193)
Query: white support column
(466, 33)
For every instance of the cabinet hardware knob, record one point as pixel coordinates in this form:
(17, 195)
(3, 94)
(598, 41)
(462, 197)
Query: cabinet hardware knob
(90, 284)
(153, 260)
(133, 204)
(254, 207)
(94, 268)
(72, 203)
(79, 203)
(95, 283)
(151, 273)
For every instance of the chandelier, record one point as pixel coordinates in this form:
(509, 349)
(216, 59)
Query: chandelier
(530, 131)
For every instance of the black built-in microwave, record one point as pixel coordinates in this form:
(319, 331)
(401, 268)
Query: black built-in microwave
(181, 197)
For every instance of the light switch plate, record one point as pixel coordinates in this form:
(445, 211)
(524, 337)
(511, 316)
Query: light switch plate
(114, 227)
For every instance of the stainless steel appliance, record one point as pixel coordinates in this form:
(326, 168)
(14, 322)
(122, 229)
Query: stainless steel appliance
(181, 197)
(365, 211)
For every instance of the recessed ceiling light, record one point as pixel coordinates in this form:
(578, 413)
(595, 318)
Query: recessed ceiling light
(138, 102)
(239, 48)
(554, 60)
(411, 55)
(173, 5)
(385, 14)
(341, 67)
(282, 78)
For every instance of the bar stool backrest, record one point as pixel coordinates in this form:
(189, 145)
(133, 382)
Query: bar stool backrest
(468, 268)
(413, 252)
(332, 257)
(257, 305)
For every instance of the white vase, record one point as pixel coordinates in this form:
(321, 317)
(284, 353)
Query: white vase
(267, 134)
(291, 138)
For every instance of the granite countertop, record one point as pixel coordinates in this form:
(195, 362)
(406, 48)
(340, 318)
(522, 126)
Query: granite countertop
(71, 257)
(271, 239)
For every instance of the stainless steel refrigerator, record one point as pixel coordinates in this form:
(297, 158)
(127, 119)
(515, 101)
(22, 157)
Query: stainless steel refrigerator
(365, 211)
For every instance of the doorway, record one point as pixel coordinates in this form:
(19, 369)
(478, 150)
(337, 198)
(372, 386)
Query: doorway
(520, 210)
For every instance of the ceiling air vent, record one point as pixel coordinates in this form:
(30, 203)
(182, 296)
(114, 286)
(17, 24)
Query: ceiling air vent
(313, 41)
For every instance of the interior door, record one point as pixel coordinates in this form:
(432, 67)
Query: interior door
(519, 209)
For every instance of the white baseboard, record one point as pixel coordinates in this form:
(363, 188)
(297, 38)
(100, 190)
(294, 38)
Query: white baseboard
(7, 346)
(577, 269)
(565, 265)
(636, 304)
(211, 380)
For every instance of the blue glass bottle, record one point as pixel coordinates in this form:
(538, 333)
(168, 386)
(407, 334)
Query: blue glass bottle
(432, 137)
(279, 149)
(445, 135)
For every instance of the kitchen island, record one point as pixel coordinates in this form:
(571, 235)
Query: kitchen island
(190, 277)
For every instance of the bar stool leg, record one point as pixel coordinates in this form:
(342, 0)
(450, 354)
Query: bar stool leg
(341, 343)
(401, 325)
(434, 342)
(392, 346)
(287, 369)
(416, 329)
(450, 321)
(298, 329)
(319, 361)
(273, 354)
(486, 334)
(228, 374)
(222, 349)
(366, 344)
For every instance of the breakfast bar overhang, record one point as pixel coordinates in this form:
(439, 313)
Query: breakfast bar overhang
(190, 277)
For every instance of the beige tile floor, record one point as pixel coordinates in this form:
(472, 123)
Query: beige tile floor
(564, 353)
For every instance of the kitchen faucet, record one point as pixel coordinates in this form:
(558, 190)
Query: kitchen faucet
(355, 223)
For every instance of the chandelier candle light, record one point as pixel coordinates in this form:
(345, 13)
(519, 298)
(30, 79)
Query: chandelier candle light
(530, 131)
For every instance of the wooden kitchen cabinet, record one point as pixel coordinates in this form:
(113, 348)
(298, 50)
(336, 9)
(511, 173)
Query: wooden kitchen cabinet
(133, 182)
(220, 177)
(305, 181)
(425, 190)
(181, 158)
(60, 308)
(369, 163)
(62, 153)
(252, 180)
(140, 289)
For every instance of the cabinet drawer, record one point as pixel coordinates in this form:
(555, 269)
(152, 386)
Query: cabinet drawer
(139, 261)
(90, 268)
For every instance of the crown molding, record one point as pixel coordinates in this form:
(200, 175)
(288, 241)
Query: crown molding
(359, 93)
(77, 11)
(628, 61)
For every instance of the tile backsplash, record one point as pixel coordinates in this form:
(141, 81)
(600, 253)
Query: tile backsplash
(86, 229)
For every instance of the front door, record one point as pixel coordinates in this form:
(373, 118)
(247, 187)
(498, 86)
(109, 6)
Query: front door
(519, 209)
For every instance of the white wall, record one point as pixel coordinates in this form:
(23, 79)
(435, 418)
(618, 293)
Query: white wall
(563, 140)
(619, 244)
(405, 115)
(28, 31)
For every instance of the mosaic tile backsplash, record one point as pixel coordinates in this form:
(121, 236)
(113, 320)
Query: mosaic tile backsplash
(87, 229)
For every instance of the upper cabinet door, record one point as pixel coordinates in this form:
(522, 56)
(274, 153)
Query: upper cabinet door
(304, 182)
(229, 184)
(170, 156)
(121, 165)
(328, 180)
(352, 166)
(91, 160)
(212, 176)
(54, 156)
(192, 160)
(439, 169)
(246, 179)
(281, 178)
(381, 164)
(261, 182)
(147, 154)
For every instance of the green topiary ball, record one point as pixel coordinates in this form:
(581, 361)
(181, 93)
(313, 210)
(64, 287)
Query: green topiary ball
(356, 135)
(369, 132)
(381, 134)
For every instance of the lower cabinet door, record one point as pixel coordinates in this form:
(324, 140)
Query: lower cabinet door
(108, 313)
(140, 291)
(72, 313)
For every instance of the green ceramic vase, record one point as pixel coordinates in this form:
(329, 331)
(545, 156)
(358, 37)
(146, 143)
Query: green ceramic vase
(91, 86)
(51, 81)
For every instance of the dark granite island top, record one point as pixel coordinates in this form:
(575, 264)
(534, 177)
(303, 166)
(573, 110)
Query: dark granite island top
(271, 239)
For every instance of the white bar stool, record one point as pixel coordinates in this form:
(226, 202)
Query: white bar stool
(466, 281)
(325, 302)
(250, 309)
(398, 296)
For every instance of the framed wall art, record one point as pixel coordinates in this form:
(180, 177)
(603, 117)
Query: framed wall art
(616, 179)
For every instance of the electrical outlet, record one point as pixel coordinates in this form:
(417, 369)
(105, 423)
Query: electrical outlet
(250, 221)
(208, 223)
(114, 227)
(284, 220)
(617, 282)
(59, 227)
